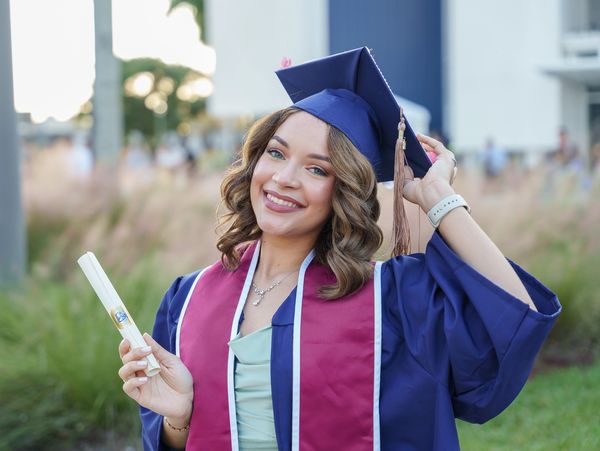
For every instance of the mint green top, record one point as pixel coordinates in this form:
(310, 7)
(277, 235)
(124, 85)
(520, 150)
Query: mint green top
(253, 399)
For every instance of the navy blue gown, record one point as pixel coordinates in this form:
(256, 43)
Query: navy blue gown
(454, 345)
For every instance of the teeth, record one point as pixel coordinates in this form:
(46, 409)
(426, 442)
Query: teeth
(278, 201)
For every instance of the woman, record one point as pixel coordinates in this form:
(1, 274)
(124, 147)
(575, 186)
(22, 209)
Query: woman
(295, 339)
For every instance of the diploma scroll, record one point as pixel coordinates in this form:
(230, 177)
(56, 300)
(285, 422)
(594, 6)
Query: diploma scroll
(115, 307)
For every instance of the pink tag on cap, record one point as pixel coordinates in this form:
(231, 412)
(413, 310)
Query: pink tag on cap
(285, 62)
(432, 156)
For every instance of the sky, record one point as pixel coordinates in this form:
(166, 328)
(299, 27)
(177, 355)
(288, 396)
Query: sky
(53, 48)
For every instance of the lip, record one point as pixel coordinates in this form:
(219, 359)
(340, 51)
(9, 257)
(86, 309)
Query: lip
(282, 197)
(280, 208)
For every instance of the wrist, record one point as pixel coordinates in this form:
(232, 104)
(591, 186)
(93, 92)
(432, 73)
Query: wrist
(444, 207)
(434, 192)
(180, 422)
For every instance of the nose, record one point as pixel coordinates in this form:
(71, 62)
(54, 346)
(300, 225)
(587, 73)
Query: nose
(287, 177)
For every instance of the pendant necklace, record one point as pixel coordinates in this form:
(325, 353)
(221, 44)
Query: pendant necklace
(261, 293)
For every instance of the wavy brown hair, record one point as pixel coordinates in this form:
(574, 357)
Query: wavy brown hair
(350, 235)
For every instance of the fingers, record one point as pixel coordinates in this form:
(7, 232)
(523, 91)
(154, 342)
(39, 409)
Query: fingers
(123, 347)
(132, 372)
(433, 144)
(432, 156)
(161, 354)
(132, 386)
(436, 147)
(135, 353)
(132, 369)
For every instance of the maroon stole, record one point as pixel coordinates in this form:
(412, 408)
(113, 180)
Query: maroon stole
(336, 359)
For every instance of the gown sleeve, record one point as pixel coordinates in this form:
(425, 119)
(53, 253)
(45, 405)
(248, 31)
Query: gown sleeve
(469, 334)
(164, 332)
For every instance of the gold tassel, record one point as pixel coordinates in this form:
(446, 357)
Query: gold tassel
(400, 230)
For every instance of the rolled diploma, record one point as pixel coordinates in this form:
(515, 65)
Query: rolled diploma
(115, 307)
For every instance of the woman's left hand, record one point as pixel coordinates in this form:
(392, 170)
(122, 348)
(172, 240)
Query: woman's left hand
(437, 182)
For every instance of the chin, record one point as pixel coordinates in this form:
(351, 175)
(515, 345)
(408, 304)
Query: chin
(274, 229)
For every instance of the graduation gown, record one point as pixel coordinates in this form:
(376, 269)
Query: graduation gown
(453, 345)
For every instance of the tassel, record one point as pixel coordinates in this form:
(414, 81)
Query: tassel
(400, 230)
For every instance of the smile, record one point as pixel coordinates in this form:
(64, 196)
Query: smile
(283, 203)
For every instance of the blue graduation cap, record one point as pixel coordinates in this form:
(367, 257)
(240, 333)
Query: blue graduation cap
(347, 90)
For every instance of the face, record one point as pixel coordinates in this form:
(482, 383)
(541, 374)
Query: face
(292, 184)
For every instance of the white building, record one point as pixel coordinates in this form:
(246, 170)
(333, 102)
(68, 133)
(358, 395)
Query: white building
(250, 40)
(513, 70)
(577, 69)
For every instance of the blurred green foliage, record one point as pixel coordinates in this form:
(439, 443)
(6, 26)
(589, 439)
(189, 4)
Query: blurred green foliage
(557, 411)
(570, 270)
(59, 361)
(138, 117)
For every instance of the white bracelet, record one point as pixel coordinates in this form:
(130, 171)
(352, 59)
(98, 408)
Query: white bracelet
(445, 206)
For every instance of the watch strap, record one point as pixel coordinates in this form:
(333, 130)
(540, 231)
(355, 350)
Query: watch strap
(445, 206)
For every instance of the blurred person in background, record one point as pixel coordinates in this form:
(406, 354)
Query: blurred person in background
(495, 162)
(137, 157)
(495, 159)
(81, 158)
(170, 156)
(566, 154)
(194, 148)
(296, 338)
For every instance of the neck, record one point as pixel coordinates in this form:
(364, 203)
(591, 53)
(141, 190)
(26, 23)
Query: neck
(279, 256)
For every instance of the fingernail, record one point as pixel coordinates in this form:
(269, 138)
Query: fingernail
(142, 363)
(142, 379)
(146, 349)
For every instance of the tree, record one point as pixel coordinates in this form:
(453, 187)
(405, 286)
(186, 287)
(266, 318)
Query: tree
(12, 224)
(198, 7)
(162, 85)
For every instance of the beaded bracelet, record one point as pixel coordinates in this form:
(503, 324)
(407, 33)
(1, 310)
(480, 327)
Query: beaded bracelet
(185, 428)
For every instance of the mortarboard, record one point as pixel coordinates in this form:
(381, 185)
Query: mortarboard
(347, 90)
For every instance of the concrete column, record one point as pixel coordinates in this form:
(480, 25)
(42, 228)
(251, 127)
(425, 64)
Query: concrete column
(108, 115)
(12, 223)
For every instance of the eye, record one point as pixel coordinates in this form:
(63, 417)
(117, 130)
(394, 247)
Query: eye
(318, 171)
(275, 154)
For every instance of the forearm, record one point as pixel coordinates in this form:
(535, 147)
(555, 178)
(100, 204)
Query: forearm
(471, 243)
(458, 228)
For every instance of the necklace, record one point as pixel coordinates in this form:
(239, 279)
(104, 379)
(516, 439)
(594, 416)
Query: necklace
(261, 293)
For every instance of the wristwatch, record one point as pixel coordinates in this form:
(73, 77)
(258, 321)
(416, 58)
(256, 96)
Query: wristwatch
(445, 206)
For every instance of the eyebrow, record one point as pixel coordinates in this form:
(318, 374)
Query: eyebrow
(281, 141)
(316, 156)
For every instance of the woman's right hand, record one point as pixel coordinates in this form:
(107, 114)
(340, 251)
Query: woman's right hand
(170, 393)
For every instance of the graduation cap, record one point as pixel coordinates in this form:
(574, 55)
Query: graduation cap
(347, 90)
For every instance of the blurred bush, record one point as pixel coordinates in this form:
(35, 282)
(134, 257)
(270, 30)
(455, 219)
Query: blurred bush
(59, 361)
(570, 268)
(548, 223)
(58, 348)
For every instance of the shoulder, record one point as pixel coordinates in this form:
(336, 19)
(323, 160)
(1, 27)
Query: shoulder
(176, 295)
(404, 268)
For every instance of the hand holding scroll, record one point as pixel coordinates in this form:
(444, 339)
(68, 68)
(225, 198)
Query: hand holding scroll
(170, 393)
